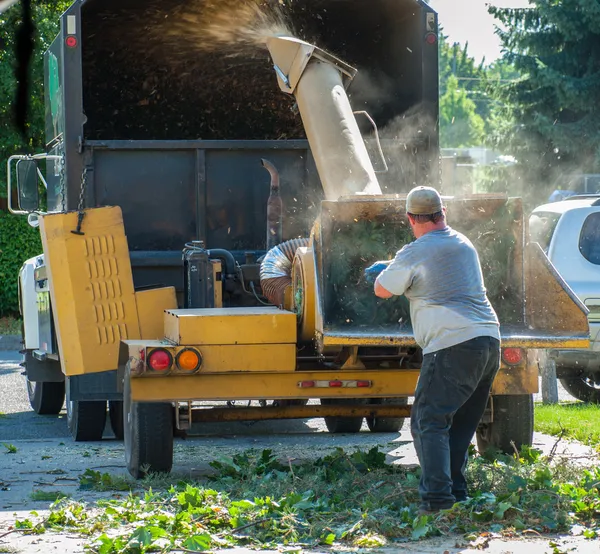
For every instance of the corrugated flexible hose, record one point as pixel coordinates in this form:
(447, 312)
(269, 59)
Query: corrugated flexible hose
(276, 269)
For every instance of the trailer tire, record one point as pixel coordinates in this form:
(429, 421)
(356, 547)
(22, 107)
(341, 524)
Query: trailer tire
(386, 424)
(148, 434)
(580, 388)
(46, 398)
(86, 419)
(513, 422)
(115, 414)
(337, 424)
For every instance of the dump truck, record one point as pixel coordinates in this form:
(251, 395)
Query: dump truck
(209, 212)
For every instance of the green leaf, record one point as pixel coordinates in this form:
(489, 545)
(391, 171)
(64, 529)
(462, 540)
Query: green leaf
(198, 543)
(501, 509)
(329, 539)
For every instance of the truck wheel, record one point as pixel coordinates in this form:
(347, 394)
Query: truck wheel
(86, 418)
(386, 424)
(584, 388)
(46, 398)
(336, 424)
(513, 421)
(115, 414)
(148, 434)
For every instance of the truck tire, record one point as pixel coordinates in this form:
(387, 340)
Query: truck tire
(336, 424)
(86, 419)
(148, 434)
(583, 388)
(513, 421)
(115, 414)
(386, 424)
(46, 398)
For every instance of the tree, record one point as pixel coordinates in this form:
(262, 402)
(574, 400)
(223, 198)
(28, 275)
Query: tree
(460, 125)
(550, 117)
(46, 19)
(464, 106)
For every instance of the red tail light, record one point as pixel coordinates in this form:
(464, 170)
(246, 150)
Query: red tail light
(160, 360)
(512, 356)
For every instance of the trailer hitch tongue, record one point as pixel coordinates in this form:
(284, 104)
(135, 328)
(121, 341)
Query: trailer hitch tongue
(317, 80)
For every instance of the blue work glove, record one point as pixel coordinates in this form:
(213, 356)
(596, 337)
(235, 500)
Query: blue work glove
(372, 272)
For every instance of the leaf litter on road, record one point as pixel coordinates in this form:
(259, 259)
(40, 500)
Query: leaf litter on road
(353, 499)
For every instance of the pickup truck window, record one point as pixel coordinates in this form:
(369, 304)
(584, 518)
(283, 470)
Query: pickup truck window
(589, 239)
(541, 228)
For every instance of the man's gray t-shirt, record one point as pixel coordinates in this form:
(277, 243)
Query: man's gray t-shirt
(441, 276)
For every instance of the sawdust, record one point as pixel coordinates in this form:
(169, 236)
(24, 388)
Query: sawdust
(211, 25)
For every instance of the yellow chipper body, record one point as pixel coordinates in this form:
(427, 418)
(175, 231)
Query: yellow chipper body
(329, 339)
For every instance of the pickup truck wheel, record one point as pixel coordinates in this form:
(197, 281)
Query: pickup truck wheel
(513, 422)
(46, 398)
(115, 414)
(386, 424)
(336, 424)
(584, 388)
(148, 434)
(86, 418)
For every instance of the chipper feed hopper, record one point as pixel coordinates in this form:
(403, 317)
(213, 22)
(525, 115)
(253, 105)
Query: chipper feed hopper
(325, 336)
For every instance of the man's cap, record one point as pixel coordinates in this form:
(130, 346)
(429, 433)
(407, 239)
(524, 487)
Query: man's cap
(423, 201)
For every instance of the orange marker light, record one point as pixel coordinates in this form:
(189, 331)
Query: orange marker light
(188, 360)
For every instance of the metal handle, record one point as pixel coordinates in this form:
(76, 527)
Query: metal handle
(376, 138)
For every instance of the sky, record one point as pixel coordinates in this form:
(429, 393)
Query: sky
(468, 20)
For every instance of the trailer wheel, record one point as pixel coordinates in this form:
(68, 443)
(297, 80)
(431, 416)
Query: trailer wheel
(337, 424)
(148, 434)
(86, 418)
(115, 414)
(46, 398)
(386, 424)
(513, 422)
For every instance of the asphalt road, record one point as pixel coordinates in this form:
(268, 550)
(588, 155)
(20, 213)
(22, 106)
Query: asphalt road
(18, 420)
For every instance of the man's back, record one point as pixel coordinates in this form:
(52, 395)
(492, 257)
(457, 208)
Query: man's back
(441, 276)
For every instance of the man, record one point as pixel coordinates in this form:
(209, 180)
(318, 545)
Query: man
(458, 330)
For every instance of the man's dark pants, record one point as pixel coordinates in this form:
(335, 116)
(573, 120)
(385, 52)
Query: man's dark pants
(451, 396)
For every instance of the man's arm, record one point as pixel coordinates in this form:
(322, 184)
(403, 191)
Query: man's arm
(396, 278)
(381, 291)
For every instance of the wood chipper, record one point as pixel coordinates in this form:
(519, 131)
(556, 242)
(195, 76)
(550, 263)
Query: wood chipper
(322, 336)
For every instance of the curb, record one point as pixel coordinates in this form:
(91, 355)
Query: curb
(10, 342)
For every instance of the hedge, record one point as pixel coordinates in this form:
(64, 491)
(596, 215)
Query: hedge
(18, 242)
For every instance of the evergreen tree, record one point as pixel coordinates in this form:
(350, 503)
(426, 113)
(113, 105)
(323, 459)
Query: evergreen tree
(550, 117)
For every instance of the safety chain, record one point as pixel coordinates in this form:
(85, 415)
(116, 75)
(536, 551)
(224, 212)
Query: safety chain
(80, 212)
(62, 183)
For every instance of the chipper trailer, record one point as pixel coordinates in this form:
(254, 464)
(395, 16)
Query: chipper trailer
(189, 333)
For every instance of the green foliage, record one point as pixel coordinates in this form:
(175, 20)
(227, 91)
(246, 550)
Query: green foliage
(18, 242)
(46, 18)
(551, 115)
(353, 247)
(460, 124)
(47, 496)
(10, 448)
(464, 106)
(346, 499)
(94, 480)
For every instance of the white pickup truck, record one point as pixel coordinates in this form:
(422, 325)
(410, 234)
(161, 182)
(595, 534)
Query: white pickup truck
(569, 233)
